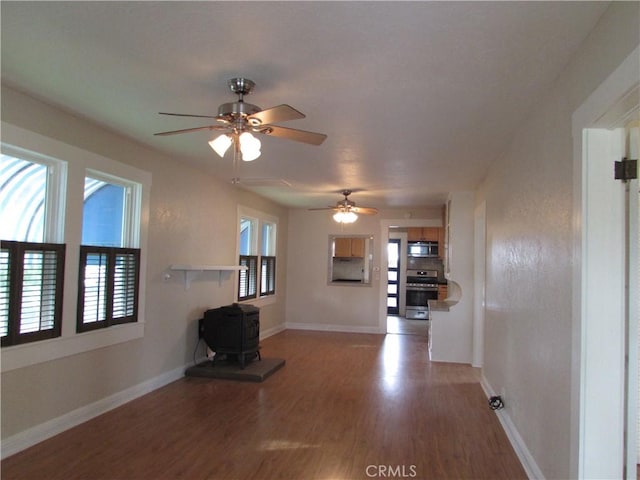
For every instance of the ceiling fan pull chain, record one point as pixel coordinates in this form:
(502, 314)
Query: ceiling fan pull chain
(236, 151)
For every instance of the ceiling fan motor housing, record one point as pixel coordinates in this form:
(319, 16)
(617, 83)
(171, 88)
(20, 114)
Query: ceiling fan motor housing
(233, 111)
(346, 203)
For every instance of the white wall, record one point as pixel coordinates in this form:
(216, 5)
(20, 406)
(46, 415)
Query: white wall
(528, 194)
(311, 302)
(193, 219)
(452, 331)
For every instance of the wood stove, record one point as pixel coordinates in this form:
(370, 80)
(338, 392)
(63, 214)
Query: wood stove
(234, 331)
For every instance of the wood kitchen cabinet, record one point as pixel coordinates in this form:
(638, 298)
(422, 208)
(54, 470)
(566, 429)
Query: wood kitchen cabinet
(443, 292)
(425, 234)
(349, 247)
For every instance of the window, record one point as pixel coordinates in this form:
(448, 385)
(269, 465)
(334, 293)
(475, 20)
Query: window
(48, 198)
(103, 213)
(31, 200)
(31, 271)
(109, 265)
(257, 247)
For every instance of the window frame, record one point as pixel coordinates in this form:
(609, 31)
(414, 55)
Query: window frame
(256, 246)
(129, 240)
(54, 199)
(78, 161)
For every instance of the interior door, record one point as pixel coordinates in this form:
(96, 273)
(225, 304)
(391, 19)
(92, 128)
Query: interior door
(393, 277)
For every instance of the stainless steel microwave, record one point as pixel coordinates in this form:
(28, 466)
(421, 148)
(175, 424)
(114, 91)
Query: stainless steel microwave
(423, 249)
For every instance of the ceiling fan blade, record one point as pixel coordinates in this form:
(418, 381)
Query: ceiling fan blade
(187, 115)
(324, 208)
(281, 113)
(195, 129)
(365, 210)
(293, 134)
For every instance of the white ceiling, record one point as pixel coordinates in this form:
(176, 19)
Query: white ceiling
(417, 98)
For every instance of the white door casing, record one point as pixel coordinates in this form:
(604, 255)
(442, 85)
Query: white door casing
(599, 343)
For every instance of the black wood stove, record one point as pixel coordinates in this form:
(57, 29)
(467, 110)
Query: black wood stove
(234, 331)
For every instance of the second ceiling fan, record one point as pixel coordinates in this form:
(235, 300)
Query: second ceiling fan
(346, 210)
(238, 120)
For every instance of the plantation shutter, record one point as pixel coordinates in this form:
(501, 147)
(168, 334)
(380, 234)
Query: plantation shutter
(31, 282)
(94, 292)
(267, 275)
(125, 287)
(109, 284)
(5, 267)
(248, 279)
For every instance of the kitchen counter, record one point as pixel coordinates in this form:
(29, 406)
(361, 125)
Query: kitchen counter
(450, 327)
(441, 305)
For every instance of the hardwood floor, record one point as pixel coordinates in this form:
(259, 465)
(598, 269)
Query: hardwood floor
(345, 406)
(404, 326)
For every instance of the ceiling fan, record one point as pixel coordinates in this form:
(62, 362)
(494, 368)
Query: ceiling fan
(346, 210)
(237, 120)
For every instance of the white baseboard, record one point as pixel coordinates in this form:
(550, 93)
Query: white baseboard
(269, 332)
(39, 433)
(526, 459)
(322, 327)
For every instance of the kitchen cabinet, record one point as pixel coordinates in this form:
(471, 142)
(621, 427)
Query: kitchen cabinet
(349, 247)
(425, 234)
(443, 292)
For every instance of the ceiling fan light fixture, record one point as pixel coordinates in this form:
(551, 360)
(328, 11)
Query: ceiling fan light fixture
(249, 146)
(221, 144)
(345, 216)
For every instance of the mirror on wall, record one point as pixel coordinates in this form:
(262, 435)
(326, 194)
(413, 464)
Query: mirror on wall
(350, 259)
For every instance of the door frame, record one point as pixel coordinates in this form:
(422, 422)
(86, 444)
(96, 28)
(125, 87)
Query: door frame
(385, 224)
(479, 281)
(598, 363)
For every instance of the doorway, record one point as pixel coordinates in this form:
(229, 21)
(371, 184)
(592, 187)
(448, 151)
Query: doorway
(393, 277)
(396, 321)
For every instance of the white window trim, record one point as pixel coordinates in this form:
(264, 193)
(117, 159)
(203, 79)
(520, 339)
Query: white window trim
(259, 217)
(78, 163)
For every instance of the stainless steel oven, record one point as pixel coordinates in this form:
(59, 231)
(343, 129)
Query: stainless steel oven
(421, 286)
